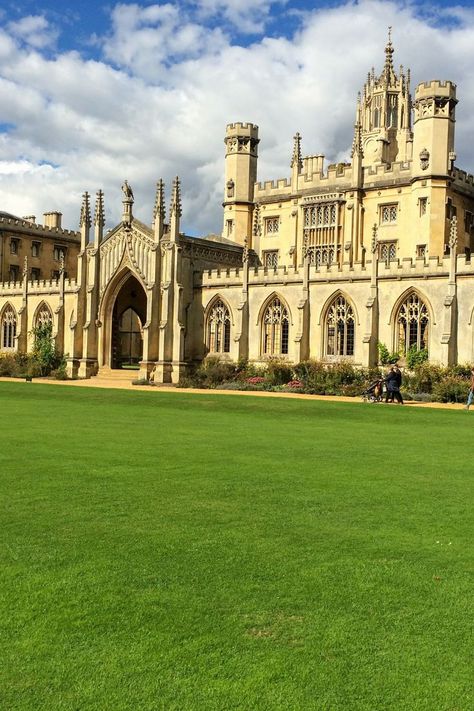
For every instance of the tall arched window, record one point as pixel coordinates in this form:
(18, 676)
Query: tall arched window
(413, 324)
(43, 316)
(8, 329)
(218, 328)
(340, 328)
(376, 118)
(275, 328)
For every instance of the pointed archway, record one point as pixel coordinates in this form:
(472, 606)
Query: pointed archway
(123, 316)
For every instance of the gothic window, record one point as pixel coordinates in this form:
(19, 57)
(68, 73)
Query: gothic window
(412, 324)
(14, 246)
(376, 118)
(272, 225)
(423, 202)
(388, 214)
(8, 329)
(13, 272)
(421, 251)
(388, 251)
(392, 113)
(320, 216)
(43, 316)
(35, 249)
(229, 227)
(35, 274)
(275, 329)
(59, 252)
(340, 328)
(218, 328)
(270, 259)
(321, 254)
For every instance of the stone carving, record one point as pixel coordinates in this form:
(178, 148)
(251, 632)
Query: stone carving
(424, 159)
(127, 191)
(230, 188)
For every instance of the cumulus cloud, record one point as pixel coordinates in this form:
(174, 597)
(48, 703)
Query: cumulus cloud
(247, 16)
(156, 101)
(34, 30)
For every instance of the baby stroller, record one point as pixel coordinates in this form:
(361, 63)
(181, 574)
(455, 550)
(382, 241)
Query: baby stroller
(374, 392)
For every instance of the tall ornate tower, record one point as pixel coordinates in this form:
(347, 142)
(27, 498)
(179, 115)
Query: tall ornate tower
(435, 108)
(241, 143)
(386, 114)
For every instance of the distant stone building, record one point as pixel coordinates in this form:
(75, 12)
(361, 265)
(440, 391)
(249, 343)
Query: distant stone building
(323, 264)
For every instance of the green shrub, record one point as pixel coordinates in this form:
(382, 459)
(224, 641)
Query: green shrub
(416, 357)
(385, 357)
(8, 367)
(45, 355)
(424, 377)
(278, 372)
(451, 389)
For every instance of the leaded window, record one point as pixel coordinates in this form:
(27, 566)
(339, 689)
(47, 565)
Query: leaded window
(218, 328)
(340, 328)
(388, 251)
(320, 216)
(321, 254)
(8, 329)
(270, 258)
(272, 225)
(275, 329)
(388, 213)
(413, 324)
(44, 316)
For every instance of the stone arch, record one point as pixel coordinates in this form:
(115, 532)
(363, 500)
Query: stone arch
(424, 329)
(274, 320)
(8, 328)
(264, 306)
(42, 315)
(339, 320)
(108, 315)
(333, 297)
(218, 320)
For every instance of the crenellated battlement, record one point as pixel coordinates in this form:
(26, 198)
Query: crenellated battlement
(463, 177)
(49, 286)
(435, 88)
(22, 224)
(241, 128)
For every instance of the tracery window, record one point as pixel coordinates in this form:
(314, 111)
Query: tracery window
(275, 328)
(388, 251)
(320, 215)
(218, 328)
(44, 316)
(8, 329)
(270, 258)
(388, 213)
(322, 254)
(272, 225)
(340, 328)
(413, 324)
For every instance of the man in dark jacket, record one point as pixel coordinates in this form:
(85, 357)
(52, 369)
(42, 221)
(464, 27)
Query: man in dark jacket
(394, 381)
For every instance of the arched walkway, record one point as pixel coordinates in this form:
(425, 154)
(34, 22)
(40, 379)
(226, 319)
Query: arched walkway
(124, 316)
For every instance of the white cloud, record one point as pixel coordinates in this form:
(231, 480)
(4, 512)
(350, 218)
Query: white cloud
(247, 16)
(158, 102)
(34, 30)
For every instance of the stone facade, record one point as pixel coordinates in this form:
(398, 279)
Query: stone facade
(323, 264)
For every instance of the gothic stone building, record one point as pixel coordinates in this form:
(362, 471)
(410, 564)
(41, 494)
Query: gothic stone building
(323, 264)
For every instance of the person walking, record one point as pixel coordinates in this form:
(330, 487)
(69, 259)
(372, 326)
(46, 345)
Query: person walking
(394, 381)
(470, 396)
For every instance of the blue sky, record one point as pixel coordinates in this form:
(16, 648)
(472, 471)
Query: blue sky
(94, 93)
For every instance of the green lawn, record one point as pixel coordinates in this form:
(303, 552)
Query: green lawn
(184, 552)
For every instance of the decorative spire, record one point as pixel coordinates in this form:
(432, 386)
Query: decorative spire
(99, 215)
(245, 252)
(25, 267)
(388, 71)
(256, 221)
(357, 142)
(85, 219)
(159, 208)
(175, 208)
(375, 242)
(296, 159)
(453, 232)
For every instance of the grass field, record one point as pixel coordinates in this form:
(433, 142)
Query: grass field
(183, 552)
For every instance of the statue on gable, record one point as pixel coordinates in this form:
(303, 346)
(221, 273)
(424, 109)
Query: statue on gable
(127, 191)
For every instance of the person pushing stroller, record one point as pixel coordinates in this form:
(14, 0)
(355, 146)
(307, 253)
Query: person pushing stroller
(393, 382)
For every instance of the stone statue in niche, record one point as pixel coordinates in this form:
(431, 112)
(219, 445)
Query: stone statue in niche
(424, 159)
(230, 188)
(127, 191)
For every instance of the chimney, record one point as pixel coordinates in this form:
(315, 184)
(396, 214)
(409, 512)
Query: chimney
(53, 219)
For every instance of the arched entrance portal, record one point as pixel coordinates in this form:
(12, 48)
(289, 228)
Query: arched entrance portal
(128, 318)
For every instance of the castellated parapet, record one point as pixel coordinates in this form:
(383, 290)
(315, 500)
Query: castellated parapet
(435, 88)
